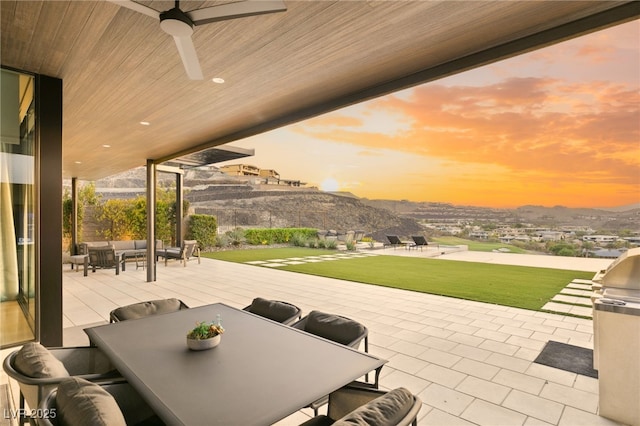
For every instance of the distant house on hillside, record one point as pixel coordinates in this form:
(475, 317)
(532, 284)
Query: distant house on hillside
(265, 176)
(600, 239)
(606, 253)
(550, 235)
(482, 235)
(269, 173)
(240, 170)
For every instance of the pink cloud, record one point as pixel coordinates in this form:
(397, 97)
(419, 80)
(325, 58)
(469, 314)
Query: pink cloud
(513, 124)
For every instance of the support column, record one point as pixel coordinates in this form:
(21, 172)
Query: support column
(151, 221)
(179, 202)
(49, 210)
(74, 216)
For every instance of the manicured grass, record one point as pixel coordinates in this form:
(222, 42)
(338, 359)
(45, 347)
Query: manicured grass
(477, 245)
(517, 286)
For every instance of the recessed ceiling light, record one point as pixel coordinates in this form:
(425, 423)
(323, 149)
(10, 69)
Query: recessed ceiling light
(78, 162)
(106, 146)
(145, 123)
(218, 80)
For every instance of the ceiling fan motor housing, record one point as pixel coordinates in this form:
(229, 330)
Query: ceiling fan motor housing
(176, 23)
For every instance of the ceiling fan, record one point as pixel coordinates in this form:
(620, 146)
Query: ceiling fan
(179, 24)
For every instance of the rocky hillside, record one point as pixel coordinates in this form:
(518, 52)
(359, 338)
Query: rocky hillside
(241, 202)
(251, 206)
(244, 202)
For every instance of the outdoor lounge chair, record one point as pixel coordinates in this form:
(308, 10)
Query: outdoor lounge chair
(275, 310)
(338, 329)
(104, 257)
(418, 241)
(38, 370)
(188, 250)
(395, 241)
(145, 309)
(80, 402)
(358, 403)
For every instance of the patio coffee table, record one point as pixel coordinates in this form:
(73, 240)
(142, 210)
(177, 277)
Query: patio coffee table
(261, 372)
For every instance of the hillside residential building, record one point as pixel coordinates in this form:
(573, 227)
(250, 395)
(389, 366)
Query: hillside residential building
(240, 170)
(601, 239)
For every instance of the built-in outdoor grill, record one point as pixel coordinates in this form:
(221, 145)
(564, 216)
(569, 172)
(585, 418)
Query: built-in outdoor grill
(616, 332)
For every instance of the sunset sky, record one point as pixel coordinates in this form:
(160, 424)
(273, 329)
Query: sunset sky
(559, 126)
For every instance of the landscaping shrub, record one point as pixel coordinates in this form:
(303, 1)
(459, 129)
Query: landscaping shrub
(222, 241)
(331, 244)
(203, 228)
(236, 237)
(299, 240)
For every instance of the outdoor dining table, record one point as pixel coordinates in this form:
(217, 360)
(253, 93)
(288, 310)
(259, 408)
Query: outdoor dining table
(261, 371)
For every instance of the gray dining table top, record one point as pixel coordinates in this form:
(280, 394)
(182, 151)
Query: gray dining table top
(261, 371)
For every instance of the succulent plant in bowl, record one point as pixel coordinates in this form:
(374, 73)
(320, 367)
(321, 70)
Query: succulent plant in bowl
(205, 335)
(205, 330)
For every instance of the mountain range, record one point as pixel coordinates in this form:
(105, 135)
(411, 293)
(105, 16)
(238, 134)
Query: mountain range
(244, 201)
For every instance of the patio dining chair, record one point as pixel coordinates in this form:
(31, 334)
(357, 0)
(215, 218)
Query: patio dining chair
(282, 312)
(79, 402)
(338, 329)
(38, 370)
(145, 309)
(360, 404)
(184, 253)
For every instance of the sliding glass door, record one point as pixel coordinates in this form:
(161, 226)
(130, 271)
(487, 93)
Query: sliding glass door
(17, 209)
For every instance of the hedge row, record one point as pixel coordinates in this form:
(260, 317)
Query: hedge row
(264, 236)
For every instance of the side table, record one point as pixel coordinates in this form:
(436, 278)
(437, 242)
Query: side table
(141, 260)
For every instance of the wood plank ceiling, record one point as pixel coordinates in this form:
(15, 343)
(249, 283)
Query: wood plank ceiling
(119, 68)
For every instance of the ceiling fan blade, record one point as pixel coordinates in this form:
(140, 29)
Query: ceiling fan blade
(137, 7)
(235, 10)
(189, 57)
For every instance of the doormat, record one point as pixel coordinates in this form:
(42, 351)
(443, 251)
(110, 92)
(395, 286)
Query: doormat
(568, 358)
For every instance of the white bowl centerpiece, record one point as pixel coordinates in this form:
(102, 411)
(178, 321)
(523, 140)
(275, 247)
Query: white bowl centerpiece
(205, 335)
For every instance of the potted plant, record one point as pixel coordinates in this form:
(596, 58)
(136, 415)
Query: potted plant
(205, 335)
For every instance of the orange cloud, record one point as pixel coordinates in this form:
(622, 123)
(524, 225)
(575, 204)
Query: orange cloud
(522, 124)
(574, 144)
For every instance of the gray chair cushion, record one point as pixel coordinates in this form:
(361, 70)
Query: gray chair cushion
(334, 327)
(145, 309)
(34, 360)
(123, 245)
(320, 420)
(79, 402)
(386, 410)
(272, 309)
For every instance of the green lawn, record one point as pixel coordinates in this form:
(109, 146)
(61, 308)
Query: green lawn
(477, 245)
(517, 286)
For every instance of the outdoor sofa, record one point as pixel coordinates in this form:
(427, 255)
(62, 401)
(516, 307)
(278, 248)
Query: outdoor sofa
(129, 248)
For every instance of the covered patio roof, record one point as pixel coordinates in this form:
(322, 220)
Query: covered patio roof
(209, 156)
(120, 69)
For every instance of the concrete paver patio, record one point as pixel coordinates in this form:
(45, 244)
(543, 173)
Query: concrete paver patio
(469, 362)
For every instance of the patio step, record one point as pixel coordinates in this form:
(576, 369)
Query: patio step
(574, 299)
